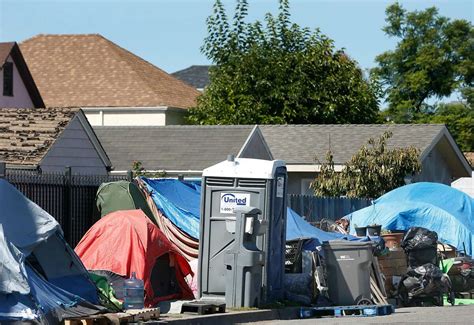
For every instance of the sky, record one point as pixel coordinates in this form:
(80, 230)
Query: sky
(169, 33)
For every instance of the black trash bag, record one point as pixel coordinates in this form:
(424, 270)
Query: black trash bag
(419, 238)
(419, 257)
(429, 277)
(425, 281)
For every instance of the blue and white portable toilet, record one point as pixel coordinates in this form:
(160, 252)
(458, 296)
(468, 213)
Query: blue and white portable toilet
(242, 182)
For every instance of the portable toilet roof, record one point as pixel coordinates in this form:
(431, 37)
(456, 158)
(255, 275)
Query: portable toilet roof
(244, 168)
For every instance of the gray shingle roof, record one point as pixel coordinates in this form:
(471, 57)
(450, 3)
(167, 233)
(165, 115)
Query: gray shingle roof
(301, 144)
(195, 75)
(171, 147)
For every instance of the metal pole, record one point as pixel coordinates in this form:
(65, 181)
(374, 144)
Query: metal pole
(3, 169)
(67, 205)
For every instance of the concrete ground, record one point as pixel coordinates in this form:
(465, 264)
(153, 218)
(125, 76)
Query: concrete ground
(414, 315)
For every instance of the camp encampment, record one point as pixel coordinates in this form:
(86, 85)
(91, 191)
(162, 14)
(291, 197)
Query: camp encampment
(41, 279)
(437, 207)
(127, 241)
(178, 205)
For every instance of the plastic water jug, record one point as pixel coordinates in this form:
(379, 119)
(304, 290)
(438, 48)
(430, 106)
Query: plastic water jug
(134, 293)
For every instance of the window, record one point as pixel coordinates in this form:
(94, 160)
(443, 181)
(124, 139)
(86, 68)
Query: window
(8, 79)
(306, 186)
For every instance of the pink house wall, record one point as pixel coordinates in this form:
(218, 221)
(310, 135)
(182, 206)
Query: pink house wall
(20, 97)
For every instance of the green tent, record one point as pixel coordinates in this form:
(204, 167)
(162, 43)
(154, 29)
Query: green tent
(121, 195)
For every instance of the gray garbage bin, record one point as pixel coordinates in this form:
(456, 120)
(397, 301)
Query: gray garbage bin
(348, 266)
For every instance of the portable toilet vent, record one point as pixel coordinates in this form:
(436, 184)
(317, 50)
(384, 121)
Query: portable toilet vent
(238, 183)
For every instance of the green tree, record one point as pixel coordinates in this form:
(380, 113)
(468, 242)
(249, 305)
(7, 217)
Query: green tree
(433, 58)
(371, 172)
(278, 72)
(458, 117)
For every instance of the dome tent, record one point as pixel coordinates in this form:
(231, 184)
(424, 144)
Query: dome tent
(41, 277)
(127, 241)
(121, 195)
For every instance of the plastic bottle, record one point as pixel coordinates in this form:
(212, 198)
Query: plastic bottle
(134, 293)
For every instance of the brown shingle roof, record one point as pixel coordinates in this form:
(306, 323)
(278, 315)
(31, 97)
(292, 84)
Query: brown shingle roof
(91, 71)
(26, 134)
(5, 49)
(470, 158)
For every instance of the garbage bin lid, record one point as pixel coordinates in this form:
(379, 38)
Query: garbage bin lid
(346, 244)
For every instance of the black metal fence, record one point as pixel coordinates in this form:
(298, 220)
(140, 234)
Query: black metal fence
(70, 199)
(315, 208)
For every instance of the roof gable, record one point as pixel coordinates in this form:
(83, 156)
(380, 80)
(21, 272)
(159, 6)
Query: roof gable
(11, 49)
(5, 49)
(91, 71)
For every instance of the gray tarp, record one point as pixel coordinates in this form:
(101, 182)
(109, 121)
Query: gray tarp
(26, 223)
(12, 277)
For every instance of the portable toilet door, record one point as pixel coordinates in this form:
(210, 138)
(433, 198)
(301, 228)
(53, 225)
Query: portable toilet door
(227, 185)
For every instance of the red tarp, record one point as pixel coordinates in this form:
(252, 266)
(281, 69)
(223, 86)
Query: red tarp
(127, 241)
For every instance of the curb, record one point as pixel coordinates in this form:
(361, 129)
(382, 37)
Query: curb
(236, 317)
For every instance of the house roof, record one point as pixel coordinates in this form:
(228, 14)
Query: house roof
(5, 49)
(196, 147)
(88, 70)
(303, 144)
(306, 144)
(12, 49)
(27, 134)
(177, 148)
(195, 75)
(470, 158)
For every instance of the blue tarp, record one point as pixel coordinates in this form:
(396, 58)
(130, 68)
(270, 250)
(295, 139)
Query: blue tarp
(44, 303)
(180, 202)
(298, 228)
(434, 206)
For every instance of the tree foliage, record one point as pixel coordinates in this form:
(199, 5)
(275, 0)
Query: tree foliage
(278, 72)
(458, 117)
(372, 171)
(433, 58)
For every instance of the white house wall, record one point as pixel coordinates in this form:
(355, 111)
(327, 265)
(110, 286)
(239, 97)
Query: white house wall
(133, 117)
(20, 97)
(73, 148)
(106, 118)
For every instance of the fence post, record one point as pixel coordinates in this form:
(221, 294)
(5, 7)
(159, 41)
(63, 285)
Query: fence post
(3, 169)
(67, 204)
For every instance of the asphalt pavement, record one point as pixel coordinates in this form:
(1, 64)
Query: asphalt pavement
(413, 315)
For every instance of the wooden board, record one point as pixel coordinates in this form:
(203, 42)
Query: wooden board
(131, 315)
